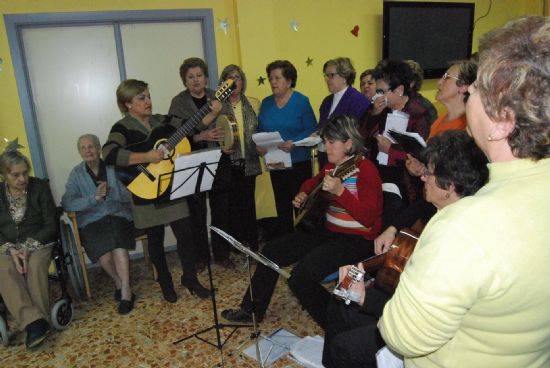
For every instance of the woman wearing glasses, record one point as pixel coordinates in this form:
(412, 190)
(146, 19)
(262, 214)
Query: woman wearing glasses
(343, 99)
(457, 168)
(475, 291)
(395, 97)
(453, 93)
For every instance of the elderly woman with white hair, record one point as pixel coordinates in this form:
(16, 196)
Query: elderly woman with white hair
(103, 210)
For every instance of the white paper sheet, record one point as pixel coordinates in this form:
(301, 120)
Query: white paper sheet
(397, 121)
(185, 181)
(309, 351)
(272, 347)
(308, 141)
(275, 159)
(385, 358)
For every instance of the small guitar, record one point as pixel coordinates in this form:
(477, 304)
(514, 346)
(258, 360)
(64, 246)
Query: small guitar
(311, 212)
(389, 265)
(152, 181)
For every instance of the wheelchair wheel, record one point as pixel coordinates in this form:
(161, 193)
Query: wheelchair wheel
(4, 336)
(62, 314)
(71, 260)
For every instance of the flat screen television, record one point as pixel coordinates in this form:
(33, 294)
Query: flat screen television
(433, 34)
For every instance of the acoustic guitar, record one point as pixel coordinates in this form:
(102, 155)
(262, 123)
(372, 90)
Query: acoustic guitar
(311, 212)
(151, 181)
(389, 266)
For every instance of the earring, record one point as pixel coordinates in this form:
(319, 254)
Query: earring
(490, 138)
(447, 195)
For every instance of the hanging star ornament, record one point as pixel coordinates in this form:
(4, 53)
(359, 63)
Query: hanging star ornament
(293, 24)
(223, 24)
(309, 61)
(261, 80)
(13, 145)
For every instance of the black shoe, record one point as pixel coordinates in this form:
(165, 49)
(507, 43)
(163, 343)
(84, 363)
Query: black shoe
(168, 291)
(126, 306)
(37, 332)
(118, 295)
(195, 288)
(238, 315)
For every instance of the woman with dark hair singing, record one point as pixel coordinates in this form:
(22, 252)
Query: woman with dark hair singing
(288, 112)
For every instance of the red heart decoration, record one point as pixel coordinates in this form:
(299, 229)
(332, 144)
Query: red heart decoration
(355, 31)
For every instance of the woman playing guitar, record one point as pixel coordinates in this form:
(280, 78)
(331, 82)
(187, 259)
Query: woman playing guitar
(352, 221)
(456, 167)
(123, 150)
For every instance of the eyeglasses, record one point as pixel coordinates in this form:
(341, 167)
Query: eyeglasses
(447, 76)
(330, 75)
(382, 91)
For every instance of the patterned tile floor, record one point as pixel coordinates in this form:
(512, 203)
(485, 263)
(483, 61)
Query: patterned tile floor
(100, 337)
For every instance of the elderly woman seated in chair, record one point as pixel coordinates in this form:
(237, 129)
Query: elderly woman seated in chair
(103, 210)
(27, 233)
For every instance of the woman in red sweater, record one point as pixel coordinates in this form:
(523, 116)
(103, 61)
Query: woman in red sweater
(352, 221)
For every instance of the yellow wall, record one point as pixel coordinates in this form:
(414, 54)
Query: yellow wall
(259, 32)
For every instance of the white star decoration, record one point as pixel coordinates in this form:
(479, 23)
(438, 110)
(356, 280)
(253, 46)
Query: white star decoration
(223, 24)
(293, 24)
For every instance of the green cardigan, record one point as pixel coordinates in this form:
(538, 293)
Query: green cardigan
(39, 222)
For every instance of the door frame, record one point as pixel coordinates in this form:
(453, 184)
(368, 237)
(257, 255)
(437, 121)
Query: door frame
(16, 23)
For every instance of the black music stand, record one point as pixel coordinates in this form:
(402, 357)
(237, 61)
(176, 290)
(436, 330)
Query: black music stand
(266, 262)
(197, 175)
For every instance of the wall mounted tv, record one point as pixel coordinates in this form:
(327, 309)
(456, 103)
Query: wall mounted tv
(430, 33)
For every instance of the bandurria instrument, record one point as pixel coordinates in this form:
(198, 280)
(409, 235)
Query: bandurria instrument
(311, 212)
(152, 181)
(230, 140)
(389, 265)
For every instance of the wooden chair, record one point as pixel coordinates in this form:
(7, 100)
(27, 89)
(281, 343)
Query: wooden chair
(140, 236)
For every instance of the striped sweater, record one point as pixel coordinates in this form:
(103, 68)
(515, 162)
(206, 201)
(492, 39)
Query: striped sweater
(358, 210)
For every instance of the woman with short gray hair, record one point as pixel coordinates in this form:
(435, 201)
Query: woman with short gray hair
(103, 210)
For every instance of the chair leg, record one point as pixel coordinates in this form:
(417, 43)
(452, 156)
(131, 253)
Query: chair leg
(80, 251)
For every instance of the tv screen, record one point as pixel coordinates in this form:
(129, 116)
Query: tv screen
(433, 34)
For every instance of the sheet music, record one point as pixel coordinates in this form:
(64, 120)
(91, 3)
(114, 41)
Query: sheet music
(308, 141)
(397, 121)
(186, 172)
(275, 158)
(257, 256)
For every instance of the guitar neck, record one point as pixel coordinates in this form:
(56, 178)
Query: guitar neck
(187, 127)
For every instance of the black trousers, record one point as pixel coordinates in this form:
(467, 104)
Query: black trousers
(318, 255)
(185, 248)
(286, 184)
(224, 187)
(242, 207)
(197, 215)
(352, 337)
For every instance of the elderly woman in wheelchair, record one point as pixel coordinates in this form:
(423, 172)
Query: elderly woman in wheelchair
(103, 210)
(28, 231)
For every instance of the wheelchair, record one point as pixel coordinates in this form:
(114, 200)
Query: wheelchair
(66, 266)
